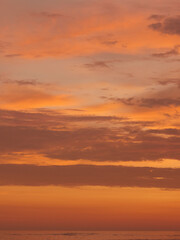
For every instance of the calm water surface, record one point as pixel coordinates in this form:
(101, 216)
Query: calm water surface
(56, 235)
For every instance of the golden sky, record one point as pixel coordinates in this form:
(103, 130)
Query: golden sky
(89, 115)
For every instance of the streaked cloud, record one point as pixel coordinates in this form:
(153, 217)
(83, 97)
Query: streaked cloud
(151, 102)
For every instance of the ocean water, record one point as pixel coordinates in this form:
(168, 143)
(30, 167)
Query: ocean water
(85, 235)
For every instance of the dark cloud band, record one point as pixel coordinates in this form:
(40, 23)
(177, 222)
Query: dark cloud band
(86, 175)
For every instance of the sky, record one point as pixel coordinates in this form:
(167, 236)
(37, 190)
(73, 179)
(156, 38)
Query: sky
(89, 115)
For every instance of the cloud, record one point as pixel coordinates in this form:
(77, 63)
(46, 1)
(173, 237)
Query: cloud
(170, 25)
(14, 55)
(168, 81)
(166, 131)
(54, 119)
(32, 82)
(160, 97)
(110, 42)
(126, 143)
(86, 175)
(87, 28)
(97, 65)
(49, 14)
(150, 102)
(173, 52)
(156, 17)
(27, 95)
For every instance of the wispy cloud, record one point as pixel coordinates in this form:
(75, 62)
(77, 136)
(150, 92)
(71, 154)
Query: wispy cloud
(172, 52)
(47, 14)
(97, 65)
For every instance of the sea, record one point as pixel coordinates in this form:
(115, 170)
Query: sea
(86, 235)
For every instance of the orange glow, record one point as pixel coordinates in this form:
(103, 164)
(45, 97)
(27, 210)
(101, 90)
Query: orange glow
(90, 207)
(89, 115)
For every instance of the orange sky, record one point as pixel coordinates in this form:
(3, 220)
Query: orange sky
(89, 115)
